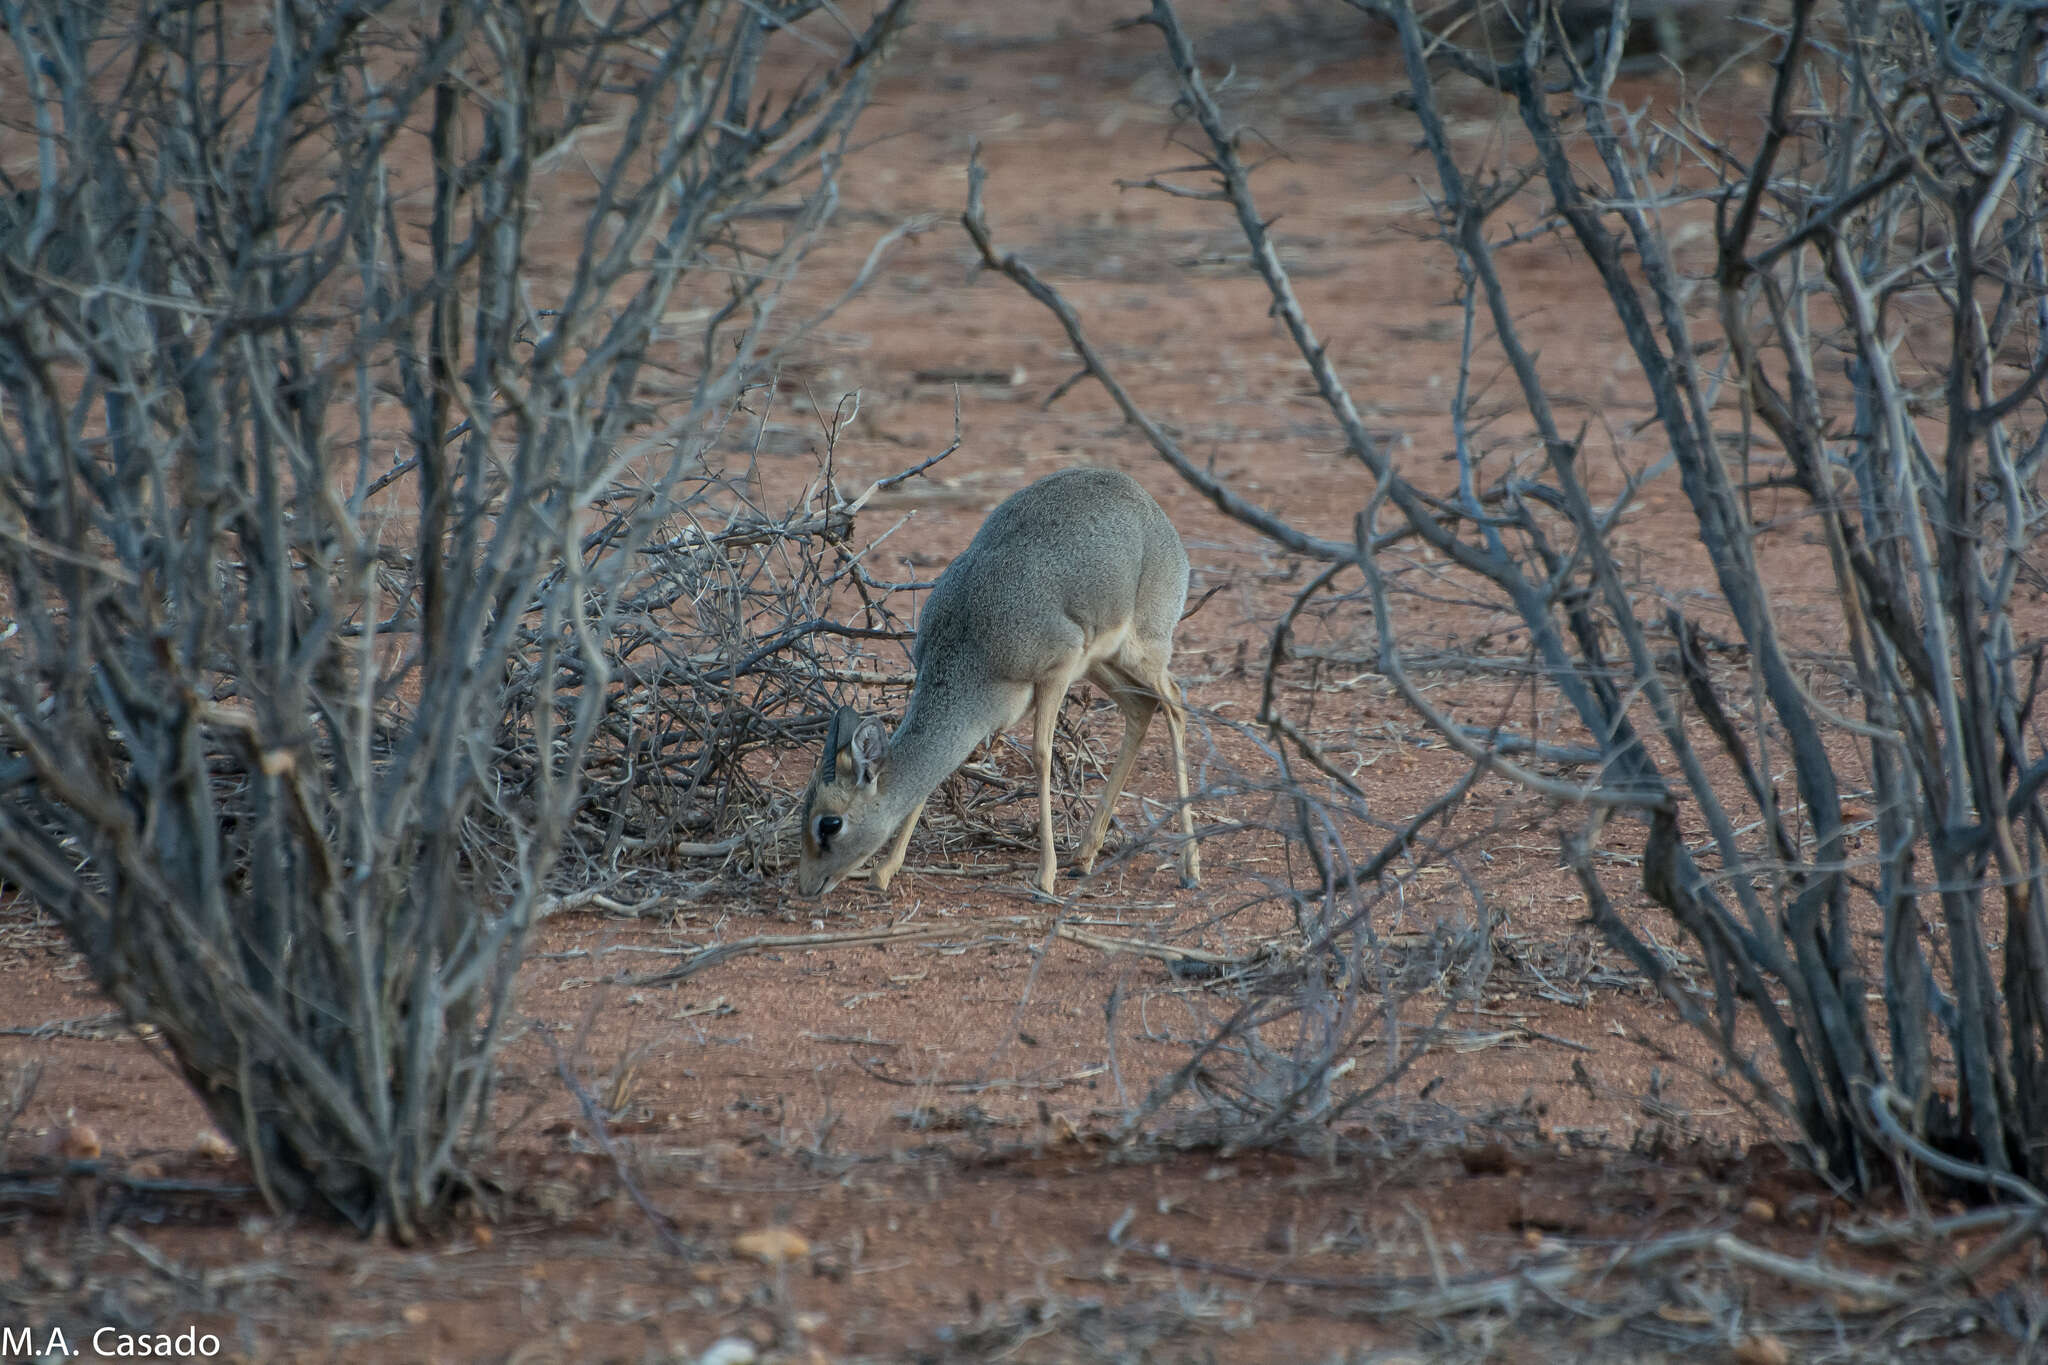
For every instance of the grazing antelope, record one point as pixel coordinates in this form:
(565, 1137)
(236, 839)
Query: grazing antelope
(1078, 576)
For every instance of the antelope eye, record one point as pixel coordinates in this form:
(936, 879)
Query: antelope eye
(828, 825)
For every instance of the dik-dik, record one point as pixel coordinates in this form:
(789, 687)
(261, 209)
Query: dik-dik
(1078, 576)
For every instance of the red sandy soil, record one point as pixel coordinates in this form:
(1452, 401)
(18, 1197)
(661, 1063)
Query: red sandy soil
(932, 1117)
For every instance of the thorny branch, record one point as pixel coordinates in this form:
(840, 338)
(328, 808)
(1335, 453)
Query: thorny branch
(1894, 191)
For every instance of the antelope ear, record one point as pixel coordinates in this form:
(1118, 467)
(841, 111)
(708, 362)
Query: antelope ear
(870, 746)
(838, 733)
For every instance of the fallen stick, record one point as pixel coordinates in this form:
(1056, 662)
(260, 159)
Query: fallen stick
(966, 1087)
(1164, 952)
(1812, 1274)
(762, 943)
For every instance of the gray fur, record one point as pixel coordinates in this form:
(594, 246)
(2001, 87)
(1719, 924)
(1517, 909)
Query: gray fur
(1078, 575)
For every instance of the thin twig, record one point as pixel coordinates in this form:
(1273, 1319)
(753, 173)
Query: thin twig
(767, 943)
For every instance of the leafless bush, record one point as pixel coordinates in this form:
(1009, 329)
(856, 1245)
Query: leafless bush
(728, 637)
(1902, 204)
(1671, 31)
(326, 488)
(1874, 964)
